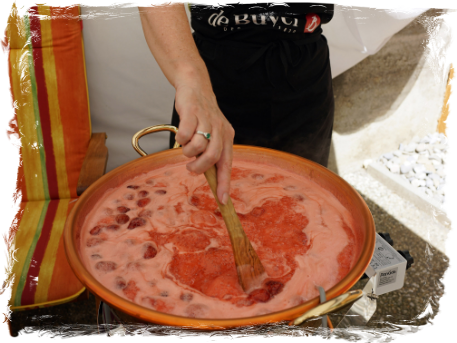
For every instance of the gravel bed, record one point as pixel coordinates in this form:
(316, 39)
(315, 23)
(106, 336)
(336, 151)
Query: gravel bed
(421, 163)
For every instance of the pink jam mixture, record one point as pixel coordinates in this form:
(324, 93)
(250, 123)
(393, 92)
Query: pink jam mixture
(159, 240)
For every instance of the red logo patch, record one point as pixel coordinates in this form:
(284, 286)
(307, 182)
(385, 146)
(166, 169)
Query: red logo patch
(312, 22)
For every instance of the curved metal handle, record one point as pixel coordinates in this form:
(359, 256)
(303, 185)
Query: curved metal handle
(156, 128)
(329, 306)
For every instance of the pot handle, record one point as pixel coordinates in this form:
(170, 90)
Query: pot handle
(329, 306)
(151, 129)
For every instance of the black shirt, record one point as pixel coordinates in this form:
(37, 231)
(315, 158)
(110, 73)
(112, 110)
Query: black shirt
(263, 22)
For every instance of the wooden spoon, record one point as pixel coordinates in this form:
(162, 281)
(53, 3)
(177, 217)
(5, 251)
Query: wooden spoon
(248, 266)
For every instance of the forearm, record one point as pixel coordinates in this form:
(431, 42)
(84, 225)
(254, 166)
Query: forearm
(170, 40)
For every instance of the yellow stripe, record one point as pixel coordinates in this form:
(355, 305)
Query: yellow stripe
(49, 258)
(22, 92)
(49, 303)
(85, 77)
(24, 239)
(14, 22)
(53, 100)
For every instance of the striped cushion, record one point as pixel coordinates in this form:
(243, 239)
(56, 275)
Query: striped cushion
(49, 90)
(42, 274)
(50, 93)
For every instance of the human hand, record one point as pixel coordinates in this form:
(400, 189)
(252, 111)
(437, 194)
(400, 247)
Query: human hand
(198, 111)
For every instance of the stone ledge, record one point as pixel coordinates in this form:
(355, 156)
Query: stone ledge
(408, 192)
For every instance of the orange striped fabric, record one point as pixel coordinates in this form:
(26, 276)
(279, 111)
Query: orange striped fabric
(42, 274)
(50, 94)
(49, 90)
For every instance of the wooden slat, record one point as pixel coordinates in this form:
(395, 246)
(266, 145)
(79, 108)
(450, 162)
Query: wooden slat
(94, 165)
(5, 328)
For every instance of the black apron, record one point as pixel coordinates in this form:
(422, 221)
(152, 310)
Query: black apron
(276, 95)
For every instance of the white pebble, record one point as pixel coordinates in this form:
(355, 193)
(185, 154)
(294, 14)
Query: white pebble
(367, 162)
(405, 169)
(397, 153)
(388, 156)
(421, 147)
(394, 168)
(415, 182)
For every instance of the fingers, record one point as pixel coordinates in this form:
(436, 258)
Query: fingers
(210, 155)
(224, 171)
(196, 146)
(187, 127)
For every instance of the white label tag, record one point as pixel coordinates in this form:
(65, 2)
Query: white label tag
(388, 277)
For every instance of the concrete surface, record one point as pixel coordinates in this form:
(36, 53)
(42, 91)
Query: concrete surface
(425, 310)
(403, 188)
(389, 97)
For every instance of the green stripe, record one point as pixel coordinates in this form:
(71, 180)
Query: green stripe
(25, 268)
(36, 110)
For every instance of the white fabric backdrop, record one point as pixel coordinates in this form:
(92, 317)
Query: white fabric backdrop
(128, 92)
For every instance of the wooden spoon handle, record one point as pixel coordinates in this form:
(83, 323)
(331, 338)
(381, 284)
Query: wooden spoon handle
(248, 265)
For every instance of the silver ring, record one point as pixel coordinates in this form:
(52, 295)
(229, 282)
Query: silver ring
(207, 135)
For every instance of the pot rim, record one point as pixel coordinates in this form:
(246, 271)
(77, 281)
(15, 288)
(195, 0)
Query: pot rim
(149, 315)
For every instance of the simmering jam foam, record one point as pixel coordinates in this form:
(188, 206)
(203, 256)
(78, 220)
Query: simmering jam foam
(159, 240)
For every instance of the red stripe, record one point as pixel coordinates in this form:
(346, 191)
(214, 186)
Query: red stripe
(43, 105)
(28, 294)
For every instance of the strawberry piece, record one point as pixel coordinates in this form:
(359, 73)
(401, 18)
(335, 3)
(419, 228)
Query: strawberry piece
(143, 202)
(122, 218)
(196, 310)
(131, 290)
(113, 227)
(106, 266)
(120, 282)
(186, 297)
(178, 208)
(136, 222)
(129, 196)
(96, 230)
(123, 209)
(145, 213)
(143, 194)
(260, 295)
(299, 197)
(158, 304)
(274, 287)
(151, 252)
(194, 200)
(191, 240)
(91, 242)
(257, 211)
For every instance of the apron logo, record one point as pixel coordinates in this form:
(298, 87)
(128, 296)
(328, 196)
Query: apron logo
(312, 22)
(218, 19)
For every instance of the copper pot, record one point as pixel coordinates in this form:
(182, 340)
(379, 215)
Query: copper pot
(364, 230)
